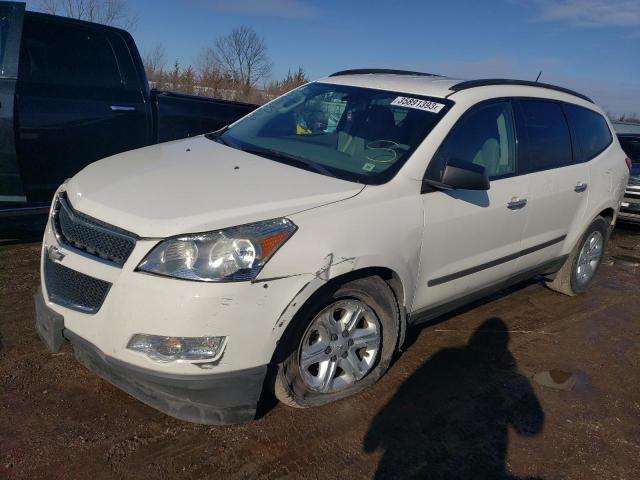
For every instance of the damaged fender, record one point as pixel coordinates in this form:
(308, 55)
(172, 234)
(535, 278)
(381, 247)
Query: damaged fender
(313, 251)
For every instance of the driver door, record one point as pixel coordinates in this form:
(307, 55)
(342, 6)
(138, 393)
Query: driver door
(471, 239)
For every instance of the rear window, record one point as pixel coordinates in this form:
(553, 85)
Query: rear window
(591, 130)
(62, 55)
(631, 146)
(548, 142)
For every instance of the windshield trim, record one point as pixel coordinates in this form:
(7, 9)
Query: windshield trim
(378, 179)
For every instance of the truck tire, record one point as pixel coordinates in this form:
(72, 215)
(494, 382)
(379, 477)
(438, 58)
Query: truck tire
(579, 269)
(337, 345)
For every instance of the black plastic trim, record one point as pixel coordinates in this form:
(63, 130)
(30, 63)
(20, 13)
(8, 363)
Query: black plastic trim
(429, 313)
(493, 263)
(365, 71)
(506, 81)
(213, 399)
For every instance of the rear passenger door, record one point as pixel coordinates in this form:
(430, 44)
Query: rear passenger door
(559, 185)
(75, 101)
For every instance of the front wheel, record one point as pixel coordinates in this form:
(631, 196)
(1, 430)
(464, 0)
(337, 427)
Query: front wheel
(338, 345)
(578, 271)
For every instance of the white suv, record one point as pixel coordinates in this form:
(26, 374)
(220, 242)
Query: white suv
(292, 249)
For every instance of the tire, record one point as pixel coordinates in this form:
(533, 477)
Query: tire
(309, 332)
(569, 280)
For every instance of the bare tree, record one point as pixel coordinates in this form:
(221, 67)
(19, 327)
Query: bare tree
(291, 81)
(188, 80)
(155, 61)
(629, 118)
(174, 76)
(107, 12)
(211, 76)
(243, 55)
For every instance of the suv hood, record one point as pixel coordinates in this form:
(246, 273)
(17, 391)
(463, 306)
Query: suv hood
(195, 185)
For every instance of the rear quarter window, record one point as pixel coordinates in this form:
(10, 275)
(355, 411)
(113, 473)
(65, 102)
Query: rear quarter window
(631, 146)
(591, 131)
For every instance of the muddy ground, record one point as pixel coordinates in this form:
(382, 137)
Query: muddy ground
(529, 384)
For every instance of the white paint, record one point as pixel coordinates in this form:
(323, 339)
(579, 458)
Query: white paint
(165, 190)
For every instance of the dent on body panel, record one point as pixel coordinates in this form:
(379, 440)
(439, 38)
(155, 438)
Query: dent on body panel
(328, 269)
(380, 228)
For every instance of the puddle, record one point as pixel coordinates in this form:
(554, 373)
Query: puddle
(562, 380)
(627, 262)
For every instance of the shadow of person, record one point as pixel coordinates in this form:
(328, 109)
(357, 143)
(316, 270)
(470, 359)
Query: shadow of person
(450, 418)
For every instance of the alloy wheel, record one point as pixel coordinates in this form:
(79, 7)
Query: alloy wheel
(589, 257)
(340, 346)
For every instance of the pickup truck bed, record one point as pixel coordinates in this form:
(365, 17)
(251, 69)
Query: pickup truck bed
(73, 92)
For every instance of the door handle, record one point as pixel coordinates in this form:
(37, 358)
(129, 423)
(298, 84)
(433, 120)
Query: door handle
(580, 187)
(517, 204)
(122, 108)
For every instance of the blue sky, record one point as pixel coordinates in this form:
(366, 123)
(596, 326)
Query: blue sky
(590, 45)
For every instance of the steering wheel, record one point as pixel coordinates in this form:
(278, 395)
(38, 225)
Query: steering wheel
(383, 151)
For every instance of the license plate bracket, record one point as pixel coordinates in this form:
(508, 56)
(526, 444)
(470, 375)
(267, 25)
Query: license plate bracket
(49, 324)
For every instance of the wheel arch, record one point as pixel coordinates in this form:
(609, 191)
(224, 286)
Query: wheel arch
(317, 288)
(608, 213)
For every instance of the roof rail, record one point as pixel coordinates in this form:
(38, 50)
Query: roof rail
(362, 71)
(504, 81)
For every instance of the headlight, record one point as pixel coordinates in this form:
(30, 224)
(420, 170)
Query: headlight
(229, 255)
(168, 349)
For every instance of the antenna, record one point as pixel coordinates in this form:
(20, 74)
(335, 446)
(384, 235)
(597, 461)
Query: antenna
(538, 77)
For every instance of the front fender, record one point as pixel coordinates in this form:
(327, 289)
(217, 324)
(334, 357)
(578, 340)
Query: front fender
(376, 229)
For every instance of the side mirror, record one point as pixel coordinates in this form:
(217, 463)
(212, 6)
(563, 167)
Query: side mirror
(460, 175)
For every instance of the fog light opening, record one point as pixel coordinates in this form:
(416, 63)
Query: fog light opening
(168, 349)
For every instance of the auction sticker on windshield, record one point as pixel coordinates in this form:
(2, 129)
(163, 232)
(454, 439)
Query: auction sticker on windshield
(419, 104)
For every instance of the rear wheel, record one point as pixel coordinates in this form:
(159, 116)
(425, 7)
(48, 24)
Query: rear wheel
(583, 262)
(338, 345)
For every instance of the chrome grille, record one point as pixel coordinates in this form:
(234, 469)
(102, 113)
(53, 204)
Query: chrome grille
(85, 233)
(72, 289)
(635, 181)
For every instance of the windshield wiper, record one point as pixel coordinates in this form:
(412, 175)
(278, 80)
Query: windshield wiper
(286, 158)
(217, 136)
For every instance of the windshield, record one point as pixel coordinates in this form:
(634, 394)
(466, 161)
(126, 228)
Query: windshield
(353, 133)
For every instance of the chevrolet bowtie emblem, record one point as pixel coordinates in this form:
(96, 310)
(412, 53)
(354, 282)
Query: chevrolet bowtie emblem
(54, 254)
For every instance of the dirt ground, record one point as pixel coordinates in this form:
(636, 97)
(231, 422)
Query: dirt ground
(529, 384)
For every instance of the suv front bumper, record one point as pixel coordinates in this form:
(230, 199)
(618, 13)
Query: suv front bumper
(219, 398)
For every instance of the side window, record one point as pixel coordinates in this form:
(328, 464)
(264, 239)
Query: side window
(548, 142)
(591, 130)
(55, 54)
(484, 136)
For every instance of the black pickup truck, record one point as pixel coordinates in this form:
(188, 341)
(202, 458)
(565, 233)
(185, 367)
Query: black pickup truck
(72, 92)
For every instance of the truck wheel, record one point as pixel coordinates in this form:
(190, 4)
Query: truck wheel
(583, 262)
(337, 345)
